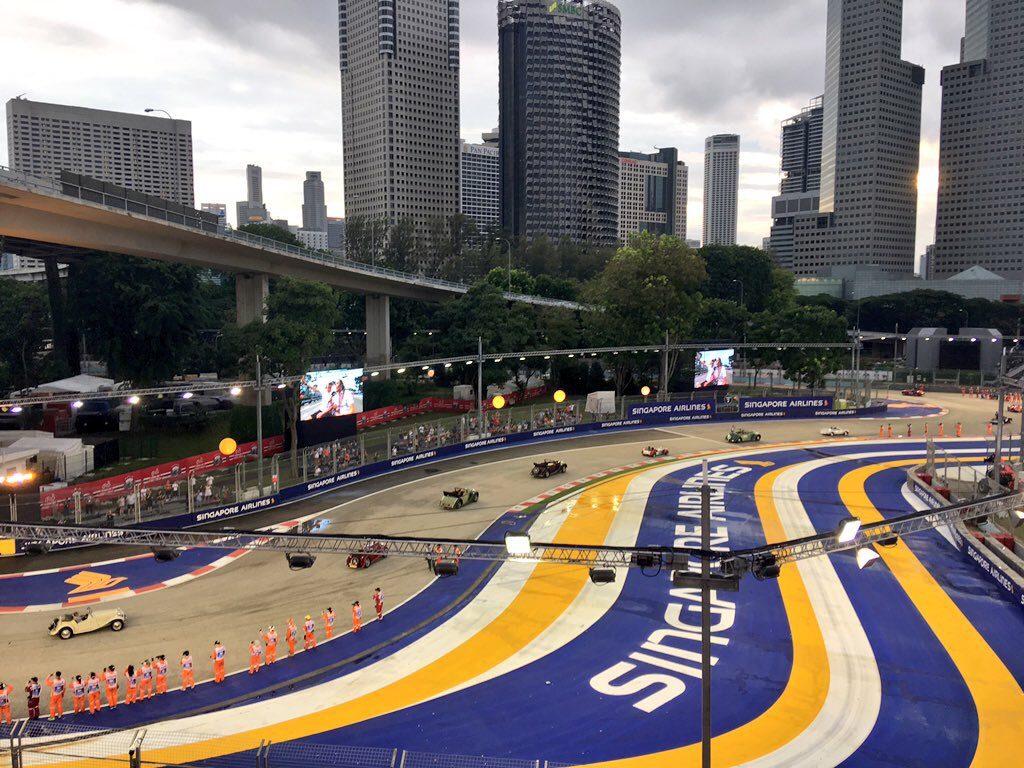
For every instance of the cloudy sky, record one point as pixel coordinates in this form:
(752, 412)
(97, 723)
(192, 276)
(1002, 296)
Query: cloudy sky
(259, 81)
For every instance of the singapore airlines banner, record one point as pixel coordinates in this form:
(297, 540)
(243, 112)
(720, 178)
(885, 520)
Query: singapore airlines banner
(684, 411)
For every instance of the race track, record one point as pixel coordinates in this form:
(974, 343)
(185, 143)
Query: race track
(911, 662)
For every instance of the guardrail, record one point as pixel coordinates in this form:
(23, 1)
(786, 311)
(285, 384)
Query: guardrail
(78, 192)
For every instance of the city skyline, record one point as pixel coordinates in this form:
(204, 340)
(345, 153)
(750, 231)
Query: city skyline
(274, 108)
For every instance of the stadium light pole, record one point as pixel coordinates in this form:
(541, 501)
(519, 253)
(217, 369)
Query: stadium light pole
(480, 386)
(259, 424)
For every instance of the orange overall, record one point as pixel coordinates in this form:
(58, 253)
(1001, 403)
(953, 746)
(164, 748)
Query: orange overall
(78, 694)
(187, 675)
(146, 681)
(328, 618)
(309, 636)
(217, 654)
(378, 603)
(132, 686)
(57, 687)
(290, 636)
(255, 657)
(357, 618)
(92, 690)
(161, 676)
(270, 638)
(110, 676)
(5, 705)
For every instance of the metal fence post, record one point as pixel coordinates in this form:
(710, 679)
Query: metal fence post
(135, 750)
(401, 763)
(78, 506)
(394, 757)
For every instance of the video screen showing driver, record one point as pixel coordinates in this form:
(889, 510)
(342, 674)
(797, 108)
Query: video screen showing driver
(713, 368)
(323, 394)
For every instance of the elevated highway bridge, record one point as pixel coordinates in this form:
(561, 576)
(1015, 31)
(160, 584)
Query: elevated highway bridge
(71, 218)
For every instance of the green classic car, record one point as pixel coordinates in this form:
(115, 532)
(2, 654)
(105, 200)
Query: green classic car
(742, 436)
(457, 497)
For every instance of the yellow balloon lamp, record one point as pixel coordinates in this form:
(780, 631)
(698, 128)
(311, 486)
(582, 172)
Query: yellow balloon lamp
(227, 446)
(498, 402)
(559, 396)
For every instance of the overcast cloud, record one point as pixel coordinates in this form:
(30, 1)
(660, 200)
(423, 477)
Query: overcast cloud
(259, 81)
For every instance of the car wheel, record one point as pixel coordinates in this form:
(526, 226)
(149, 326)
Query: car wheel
(66, 633)
(117, 625)
(846, 433)
(564, 468)
(757, 438)
(458, 503)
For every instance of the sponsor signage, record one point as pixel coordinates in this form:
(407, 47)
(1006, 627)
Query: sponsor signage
(566, 9)
(695, 410)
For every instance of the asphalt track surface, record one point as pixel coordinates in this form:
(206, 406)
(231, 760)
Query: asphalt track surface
(909, 663)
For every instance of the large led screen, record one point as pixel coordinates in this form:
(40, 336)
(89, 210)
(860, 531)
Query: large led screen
(713, 368)
(325, 394)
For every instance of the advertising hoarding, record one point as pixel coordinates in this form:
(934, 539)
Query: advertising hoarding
(326, 394)
(713, 368)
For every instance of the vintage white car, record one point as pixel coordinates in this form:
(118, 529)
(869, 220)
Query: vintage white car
(652, 450)
(835, 432)
(78, 623)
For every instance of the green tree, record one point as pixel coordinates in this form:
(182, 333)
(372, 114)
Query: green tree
(809, 366)
(24, 329)
(738, 273)
(271, 232)
(141, 316)
(651, 287)
(720, 319)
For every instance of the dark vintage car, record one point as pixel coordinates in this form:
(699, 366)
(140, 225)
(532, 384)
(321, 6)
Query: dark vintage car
(548, 467)
(376, 551)
(457, 497)
(917, 391)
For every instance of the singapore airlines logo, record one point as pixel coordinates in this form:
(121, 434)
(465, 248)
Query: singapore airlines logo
(88, 581)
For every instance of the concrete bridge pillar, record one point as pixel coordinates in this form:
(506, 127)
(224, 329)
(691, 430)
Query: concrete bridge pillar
(251, 298)
(378, 331)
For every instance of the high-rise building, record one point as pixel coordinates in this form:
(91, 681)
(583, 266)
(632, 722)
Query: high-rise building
(870, 148)
(140, 152)
(478, 182)
(314, 211)
(254, 183)
(400, 108)
(314, 239)
(721, 188)
(801, 179)
(336, 234)
(220, 210)
(558, 82)
(252, 210)
(652, 193)
(980, 214)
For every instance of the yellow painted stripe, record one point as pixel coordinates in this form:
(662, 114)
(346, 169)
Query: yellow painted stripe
(997, 696)
(805, 692)
(548, 592)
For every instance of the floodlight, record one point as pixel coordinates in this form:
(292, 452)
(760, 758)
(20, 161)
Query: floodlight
(950, 338)
(236, 391)
(16, 409)
(498, 359)
(847, 530)
(447, 365)
(548, 357)
(888, 541)
(282, 385)
(77, 404)
(133, 400)
(298, 561)
(765, 566)
(400, 370)
(521, 359)
(646, 559)
(865, 557)
(469, 362)
(602, 575)
(372, 373)
(974, 338)
(36, 548)
(518, 543)
(425, 367)
(446, 568)
(186, 395)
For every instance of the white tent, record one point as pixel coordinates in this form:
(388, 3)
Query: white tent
(66, 457)
(77, 384)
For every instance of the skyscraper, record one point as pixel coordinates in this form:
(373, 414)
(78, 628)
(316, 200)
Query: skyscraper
(801, 179)
(252, 210)
(314, 211)
(478, 183)
(220, 211)
(558, 82)
(980, 216)
(871, 135)
(400, 108)
(721, 188)
(652, 193)
(142, 153)
(254, 183)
